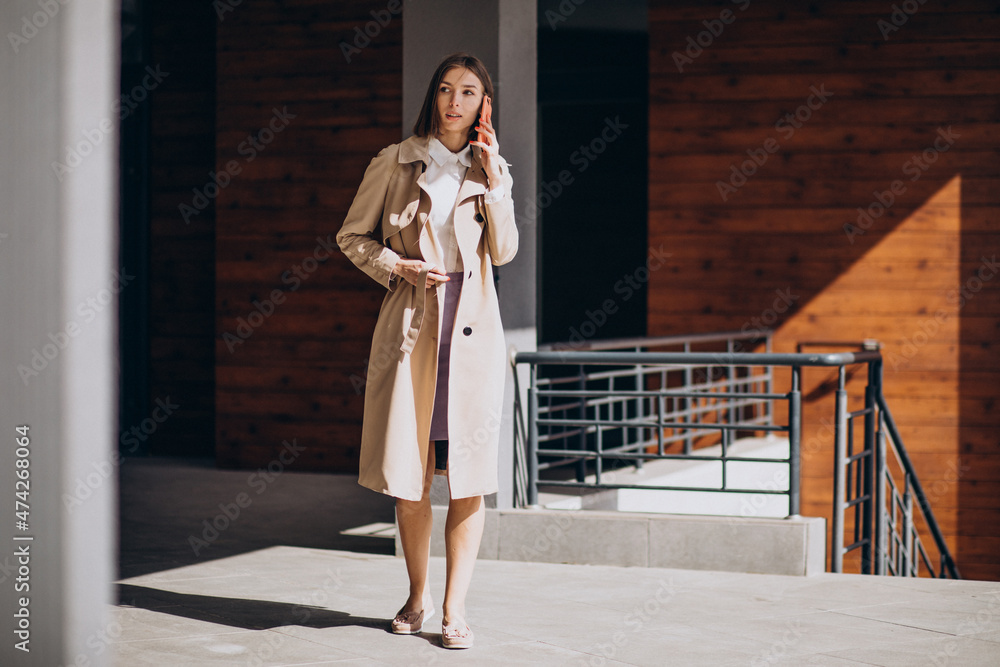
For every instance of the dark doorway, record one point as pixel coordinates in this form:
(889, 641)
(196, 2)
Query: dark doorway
(592, 196)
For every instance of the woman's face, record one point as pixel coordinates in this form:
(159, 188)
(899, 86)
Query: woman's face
(458, 100)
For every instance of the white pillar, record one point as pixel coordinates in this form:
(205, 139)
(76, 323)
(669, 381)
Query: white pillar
(503, 34)
(59, 80)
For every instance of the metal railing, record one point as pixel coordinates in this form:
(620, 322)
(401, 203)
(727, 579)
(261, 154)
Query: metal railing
(876, 485)
(595, 408)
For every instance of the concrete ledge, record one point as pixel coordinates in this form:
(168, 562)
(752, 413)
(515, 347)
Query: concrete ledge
(794, 546)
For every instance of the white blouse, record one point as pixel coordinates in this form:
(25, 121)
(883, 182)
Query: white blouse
(444, 175)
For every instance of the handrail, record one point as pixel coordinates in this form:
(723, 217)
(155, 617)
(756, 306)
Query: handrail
(573, 358)
(918, 489)
(660, 341)
(675, 412)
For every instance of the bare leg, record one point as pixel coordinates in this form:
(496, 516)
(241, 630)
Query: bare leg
(415, 519)
(462, 533)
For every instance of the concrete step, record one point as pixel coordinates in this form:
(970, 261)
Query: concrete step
(754, 477)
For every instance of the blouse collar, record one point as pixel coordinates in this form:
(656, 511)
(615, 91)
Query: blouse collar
(442, 154)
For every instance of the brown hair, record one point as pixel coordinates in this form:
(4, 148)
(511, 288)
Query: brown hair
(427, 121)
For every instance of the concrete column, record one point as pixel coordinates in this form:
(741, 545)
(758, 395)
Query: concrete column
(502, 33)
(58, 193)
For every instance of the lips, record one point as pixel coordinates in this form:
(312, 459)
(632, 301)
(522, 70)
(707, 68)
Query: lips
(453, 116)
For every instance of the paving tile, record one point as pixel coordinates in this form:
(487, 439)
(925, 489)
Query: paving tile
(987, 636)
(133, 623)
(954, 622)
(804, 635)
(814, 660)
(263, 649)
(939, 652)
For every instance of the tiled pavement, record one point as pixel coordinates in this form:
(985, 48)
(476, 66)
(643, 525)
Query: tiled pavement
(281, 586)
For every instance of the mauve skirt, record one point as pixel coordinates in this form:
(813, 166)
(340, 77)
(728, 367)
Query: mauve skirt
(439, 420)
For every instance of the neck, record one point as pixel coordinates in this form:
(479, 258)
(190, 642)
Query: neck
(453, 141)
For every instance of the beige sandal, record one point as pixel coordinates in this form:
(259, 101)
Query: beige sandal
(409, 623)
(456, 637)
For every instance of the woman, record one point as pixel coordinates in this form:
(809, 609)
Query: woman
(432, 216)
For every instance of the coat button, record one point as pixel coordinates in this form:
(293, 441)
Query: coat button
(467, 331)
(470, 274)
(479, 217)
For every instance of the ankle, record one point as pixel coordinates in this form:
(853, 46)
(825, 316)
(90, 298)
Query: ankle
(453, 614)
(419, 599)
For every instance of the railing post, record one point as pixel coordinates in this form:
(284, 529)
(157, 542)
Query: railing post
(880, 513)
(581, 465)
(868, 510)
(839, 482)
(909, 557)
(640, 411)
(794, 442)
(686, 402)
(533, 435)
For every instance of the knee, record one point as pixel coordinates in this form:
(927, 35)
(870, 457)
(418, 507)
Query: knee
(471, 504)
(407, 507)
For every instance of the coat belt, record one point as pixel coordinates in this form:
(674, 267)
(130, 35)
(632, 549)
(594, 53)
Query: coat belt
(410, 339)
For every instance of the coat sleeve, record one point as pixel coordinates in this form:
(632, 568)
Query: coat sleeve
(357, 238)
(501, 232)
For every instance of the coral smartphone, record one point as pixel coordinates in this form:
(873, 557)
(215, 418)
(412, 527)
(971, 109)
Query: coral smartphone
(485, 116)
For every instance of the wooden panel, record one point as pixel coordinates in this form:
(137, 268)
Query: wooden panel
(299, 373)
(734, 252)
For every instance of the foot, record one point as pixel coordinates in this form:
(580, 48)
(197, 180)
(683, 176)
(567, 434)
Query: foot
(410, 619)
(455, 633)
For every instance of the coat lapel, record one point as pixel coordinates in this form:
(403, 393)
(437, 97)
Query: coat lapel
(475, 179)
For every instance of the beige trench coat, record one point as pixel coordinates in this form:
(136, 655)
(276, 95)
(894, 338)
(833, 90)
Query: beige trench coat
(387, 220)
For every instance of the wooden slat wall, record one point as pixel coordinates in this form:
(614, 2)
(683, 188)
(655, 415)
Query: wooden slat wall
(782, 231)
(182, 261)
(292, 378)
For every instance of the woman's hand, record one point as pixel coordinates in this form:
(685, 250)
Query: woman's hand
(409, 270)
(491, 151)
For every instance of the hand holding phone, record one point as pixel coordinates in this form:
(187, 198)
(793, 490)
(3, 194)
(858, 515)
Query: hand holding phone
(485, 116)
